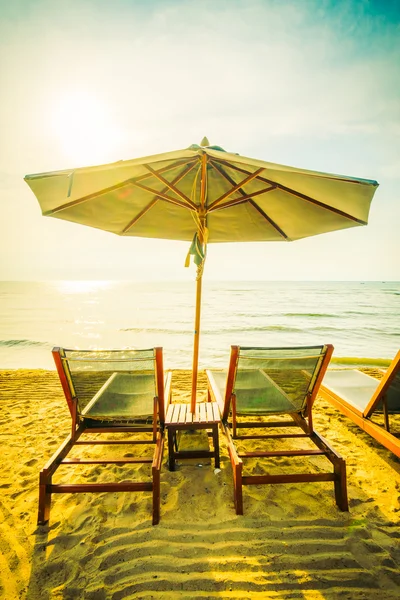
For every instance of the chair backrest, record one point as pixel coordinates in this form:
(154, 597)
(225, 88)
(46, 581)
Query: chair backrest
(118, 375)
(389, 387)
(277, 377)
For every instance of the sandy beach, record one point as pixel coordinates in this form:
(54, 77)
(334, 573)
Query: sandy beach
(292, 541)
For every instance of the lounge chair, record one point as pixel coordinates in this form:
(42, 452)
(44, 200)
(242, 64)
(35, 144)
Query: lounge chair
(363, 398)
(265, 382)
(116, 391)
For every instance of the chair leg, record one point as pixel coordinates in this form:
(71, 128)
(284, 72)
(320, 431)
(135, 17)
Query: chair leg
(171, 449)
(44, 498)
(155, 472)
(233, 404)
(156, 496)
(237, 488)
(386, 414)
(341, 485)
(216, 445)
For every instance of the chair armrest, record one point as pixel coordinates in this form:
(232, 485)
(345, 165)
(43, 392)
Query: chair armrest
(167, 389)
(215, 392)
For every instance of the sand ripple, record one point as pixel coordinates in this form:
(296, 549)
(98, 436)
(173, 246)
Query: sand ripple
(292, 541)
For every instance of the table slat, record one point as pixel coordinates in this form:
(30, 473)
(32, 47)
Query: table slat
(216, 411)
(205, 412)
(183, 413)
(202, 409)
(175, 416)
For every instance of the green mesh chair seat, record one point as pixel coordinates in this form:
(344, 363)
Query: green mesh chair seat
(360, 397)
(393, 395)
(123, 396)
(355, 387)
(255, 395)
(273, 380)
(113, 385)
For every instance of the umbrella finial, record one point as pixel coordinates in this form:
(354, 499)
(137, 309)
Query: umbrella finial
(204, 142)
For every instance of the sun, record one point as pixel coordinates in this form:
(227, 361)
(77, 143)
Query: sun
(84, 128)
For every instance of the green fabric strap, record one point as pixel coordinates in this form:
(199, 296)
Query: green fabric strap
(196, 250)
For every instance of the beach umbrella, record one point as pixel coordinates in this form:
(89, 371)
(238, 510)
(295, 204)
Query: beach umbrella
(203, 195)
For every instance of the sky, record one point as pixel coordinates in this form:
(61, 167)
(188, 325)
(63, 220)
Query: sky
(313, 84)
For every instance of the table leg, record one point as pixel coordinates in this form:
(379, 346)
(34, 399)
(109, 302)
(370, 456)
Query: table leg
(216, 445)
(171, 448)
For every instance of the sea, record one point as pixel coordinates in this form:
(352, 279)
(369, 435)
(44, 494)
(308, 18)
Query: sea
(361, 319)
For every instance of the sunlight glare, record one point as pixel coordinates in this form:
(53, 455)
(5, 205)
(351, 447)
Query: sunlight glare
(84, 128)
(82, 287)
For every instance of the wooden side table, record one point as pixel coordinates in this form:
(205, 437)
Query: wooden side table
(179, 417)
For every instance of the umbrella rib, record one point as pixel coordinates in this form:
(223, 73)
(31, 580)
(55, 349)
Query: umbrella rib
(228, 204)
(139, 215)
(270, 221)
(163, 196)
(300, 195)
(112, 188)
(311, 174)
(236, 187)
(221, 171)
(172, 187)
(245, 199)
(155, 200)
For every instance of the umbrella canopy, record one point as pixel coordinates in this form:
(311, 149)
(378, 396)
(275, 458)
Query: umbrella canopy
(204, 194)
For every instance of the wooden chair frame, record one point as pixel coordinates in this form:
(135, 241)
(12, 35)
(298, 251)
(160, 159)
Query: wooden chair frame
(80, 427)
(363, 418)
(304, 421)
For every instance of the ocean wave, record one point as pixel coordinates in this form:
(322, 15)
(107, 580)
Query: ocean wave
(380, 331)
(359, 332)
(375, 332)
(326, 328)
(323, 315)
(249, 329)
(156, 330)
(214, 331)
(258, 328)
(362, 313)
(338, 315)
(353, 361)
(12, 343)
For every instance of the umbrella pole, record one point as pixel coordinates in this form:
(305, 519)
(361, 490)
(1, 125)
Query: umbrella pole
(203, 240)
(196, 341)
